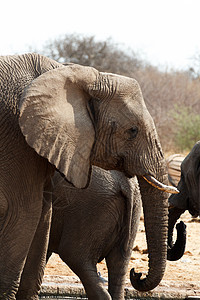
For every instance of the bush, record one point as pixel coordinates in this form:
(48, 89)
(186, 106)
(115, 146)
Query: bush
(187, 128)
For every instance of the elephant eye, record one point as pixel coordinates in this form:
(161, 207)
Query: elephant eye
(132, 133)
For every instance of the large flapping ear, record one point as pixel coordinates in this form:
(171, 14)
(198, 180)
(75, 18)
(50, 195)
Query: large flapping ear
(55, 121)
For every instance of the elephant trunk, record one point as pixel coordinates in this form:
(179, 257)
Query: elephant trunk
(176, 250)
(155, 208)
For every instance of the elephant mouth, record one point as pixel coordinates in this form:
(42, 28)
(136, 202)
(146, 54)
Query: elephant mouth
(157, 184)
(192, 209)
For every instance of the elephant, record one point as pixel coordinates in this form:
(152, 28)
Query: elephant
(69, 118)
(96, 223)
(187, 199)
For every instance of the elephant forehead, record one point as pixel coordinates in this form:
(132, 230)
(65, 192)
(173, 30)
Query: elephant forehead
(130, 112)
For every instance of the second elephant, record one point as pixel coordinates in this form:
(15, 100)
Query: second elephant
(95, 223)
(189, 196)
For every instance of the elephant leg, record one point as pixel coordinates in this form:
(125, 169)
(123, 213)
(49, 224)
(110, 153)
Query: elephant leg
(16, 235)
(93, 285)
(118, 258)
(33, 271)
(117, 269)
(88, 275)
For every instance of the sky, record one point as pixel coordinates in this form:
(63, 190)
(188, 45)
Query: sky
(164, 32)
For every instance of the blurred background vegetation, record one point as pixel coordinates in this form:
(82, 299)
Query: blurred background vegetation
(172, 97)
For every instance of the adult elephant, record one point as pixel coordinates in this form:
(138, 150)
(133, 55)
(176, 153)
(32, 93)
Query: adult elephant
(95, 223)
(69, 118)
(187, 199)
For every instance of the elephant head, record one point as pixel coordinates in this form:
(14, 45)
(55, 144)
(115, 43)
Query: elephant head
(188, 198)
(77, 117)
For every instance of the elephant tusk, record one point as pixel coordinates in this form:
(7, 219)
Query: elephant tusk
(157, 184)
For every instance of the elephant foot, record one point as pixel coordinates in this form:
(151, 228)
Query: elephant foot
(26, 296)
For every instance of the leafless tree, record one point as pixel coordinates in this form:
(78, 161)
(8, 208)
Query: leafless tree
(103, 55)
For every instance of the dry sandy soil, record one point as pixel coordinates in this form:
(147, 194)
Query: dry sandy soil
(183, 274)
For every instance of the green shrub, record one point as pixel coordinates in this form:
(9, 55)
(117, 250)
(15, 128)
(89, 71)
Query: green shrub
(187, 128)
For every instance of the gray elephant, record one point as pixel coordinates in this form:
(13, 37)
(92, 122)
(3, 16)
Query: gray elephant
(69, 118)
(187, 199)
(95, 223)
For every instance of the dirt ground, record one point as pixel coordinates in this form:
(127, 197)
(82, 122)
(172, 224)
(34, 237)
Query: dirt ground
(183, 273)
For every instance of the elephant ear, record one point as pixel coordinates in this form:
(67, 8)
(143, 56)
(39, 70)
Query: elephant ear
(55, 121)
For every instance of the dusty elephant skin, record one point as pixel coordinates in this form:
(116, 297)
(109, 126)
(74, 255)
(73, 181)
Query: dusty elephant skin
(95, 223)
(187, 199)
(69, 118)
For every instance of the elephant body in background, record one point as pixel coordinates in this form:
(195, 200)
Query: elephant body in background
(95, 223)
(69, 118)
(189, 196)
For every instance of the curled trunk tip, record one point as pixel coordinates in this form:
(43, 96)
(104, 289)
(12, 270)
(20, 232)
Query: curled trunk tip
(142, 285)
(157, 184)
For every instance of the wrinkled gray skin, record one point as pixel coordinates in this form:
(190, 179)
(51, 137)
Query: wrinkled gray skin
(95, 223)
(189, 196)
(69, 118)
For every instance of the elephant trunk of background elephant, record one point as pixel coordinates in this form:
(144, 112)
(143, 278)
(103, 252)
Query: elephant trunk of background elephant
(156, 222)
(176, 250)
